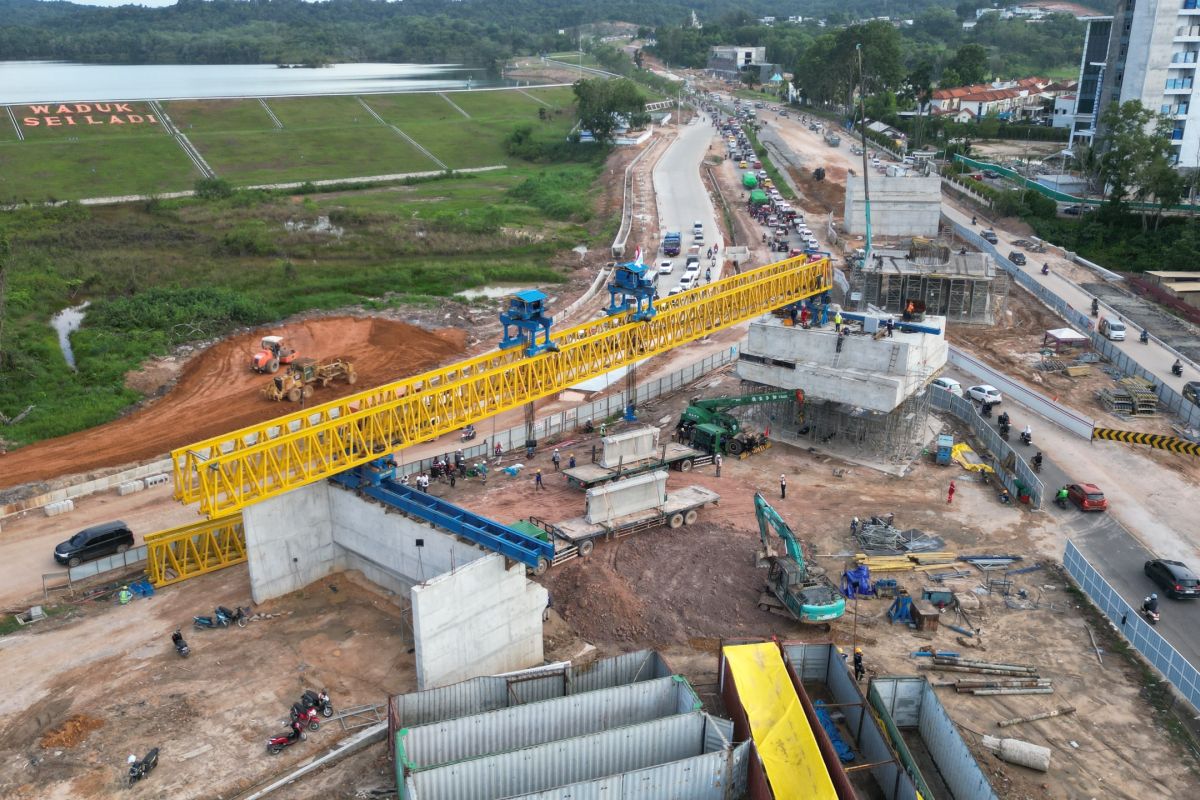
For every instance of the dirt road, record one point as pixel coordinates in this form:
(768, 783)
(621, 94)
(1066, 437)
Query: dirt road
(217, 393)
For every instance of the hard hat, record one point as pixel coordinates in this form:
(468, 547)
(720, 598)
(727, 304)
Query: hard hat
(858, 650)
(1153, 596)
(132, 759)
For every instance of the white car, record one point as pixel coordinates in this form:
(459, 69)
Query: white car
(692, 266)
(698, 226)
(984, 393)
(687, 281)
(949, 384)
(674, 291)
(698, 237)
(665, 267)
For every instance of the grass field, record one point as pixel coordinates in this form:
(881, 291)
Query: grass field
(322, 138)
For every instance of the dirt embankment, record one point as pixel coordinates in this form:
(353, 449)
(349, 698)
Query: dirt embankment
(217, 393)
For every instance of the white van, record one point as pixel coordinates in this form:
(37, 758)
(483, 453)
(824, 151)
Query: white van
(1113, 329)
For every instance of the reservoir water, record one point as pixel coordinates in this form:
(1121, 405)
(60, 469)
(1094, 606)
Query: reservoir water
(64, 82)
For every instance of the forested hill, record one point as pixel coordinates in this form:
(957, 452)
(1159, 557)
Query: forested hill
(476, 32)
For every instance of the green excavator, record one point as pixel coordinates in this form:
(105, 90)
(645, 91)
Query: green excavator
(793, 588)
(706, 425)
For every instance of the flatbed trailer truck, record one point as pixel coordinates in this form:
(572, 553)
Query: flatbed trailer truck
(577, 537)
(671, 455)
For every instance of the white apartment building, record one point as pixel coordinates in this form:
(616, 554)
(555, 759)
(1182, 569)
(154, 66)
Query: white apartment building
(1152, 54)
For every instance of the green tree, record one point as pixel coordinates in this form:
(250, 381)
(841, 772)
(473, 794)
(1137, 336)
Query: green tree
(970, 63)
(966, 10)
(1134, 143)
(599, 103)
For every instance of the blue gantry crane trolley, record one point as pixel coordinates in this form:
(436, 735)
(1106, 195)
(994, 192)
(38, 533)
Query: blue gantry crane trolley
(525, 318)
(632, 288)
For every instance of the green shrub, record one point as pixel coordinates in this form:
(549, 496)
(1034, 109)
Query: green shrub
(248, 239)
(559, 194)
(213, 188)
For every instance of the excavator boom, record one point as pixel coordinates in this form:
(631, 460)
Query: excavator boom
(769, 519)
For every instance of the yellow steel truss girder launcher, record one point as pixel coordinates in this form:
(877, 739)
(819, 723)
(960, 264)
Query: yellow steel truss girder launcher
(229, 472)
(180, 553)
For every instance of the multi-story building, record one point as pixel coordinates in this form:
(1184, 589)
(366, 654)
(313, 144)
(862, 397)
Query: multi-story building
(1149, 50)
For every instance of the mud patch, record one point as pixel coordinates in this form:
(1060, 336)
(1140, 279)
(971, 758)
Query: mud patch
(70, 733)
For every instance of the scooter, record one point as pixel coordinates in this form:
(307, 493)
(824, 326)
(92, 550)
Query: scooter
(1045, 269)
(318, 700)
(1145, 337)
(1004, 431)
(1061, 502)
(181, 646)
(140, 769)
(1177, 369)
(1151, 616)
(306, 716)
(1026, 438)
(225, 617)
(1095, 308)
(276, 744)
(1037, 463)
(468, 433)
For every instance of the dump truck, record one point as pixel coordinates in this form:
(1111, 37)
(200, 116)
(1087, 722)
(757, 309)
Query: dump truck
(794, 588)
(749, 181)
(706, 425)
(578, 536)
(297, 383)
(271, 354)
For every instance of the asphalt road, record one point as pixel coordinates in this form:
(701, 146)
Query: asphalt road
(683, 200)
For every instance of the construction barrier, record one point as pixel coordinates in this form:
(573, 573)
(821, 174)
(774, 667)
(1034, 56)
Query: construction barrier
(1172, 443)
(180, 553)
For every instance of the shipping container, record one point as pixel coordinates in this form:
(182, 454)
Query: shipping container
(437, 743)
(915, 720)
(576, 760)
(477, 695)
(822, 668)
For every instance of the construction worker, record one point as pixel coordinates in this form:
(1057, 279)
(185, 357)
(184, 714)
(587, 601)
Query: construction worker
(124, 596)
(837, 322)
(782, 486)
(498, 450)
(556, 459)
(717, 461)
(603, 429)
(571, 461)
(950, 494)
(854, 527)
(859, 671)
(537, 481)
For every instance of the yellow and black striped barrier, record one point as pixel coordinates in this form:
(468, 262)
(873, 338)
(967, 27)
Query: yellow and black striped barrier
(1172, 443)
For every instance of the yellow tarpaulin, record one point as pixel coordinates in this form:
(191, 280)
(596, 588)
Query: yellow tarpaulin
(778, 726)
(968, 459)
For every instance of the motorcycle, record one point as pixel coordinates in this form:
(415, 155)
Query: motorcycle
(318, 700)
(468, 433)
(140, 769)
(1045, 269)
(306, 716)
(222, 617)
(181, 646)
(1026, 438)
(1095, 308)
(1177, 369)
(1061, 502)
(276, 744)
(1151, 616)
(1037, 463)
(1145, 337)
(1004, 431)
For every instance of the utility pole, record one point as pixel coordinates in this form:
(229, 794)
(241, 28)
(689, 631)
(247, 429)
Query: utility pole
(862, 121)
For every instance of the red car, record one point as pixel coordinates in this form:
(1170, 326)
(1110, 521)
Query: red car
(1087, 497)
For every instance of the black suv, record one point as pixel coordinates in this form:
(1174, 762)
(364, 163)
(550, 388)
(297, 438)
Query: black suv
(1017, 258)
(1176, 580)
(1191, 392)
(94, 542)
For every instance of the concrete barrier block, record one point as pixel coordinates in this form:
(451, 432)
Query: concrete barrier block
(156, 480)
(59, 507)
(129, 487)
(628, 447)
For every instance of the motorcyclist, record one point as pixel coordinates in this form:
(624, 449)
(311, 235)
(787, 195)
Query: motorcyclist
(1003, 421)
(1145, 337)
(1095, 306)
(1037, 462)
(1061, 497)
(1177, 367)
(1027, 434)
(1150, 604)
(1046, 268)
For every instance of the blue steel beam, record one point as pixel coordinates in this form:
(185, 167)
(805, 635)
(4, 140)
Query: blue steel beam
(530, 551)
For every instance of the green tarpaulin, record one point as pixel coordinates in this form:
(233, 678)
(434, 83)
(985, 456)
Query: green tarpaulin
(758, 197)
(749, 181)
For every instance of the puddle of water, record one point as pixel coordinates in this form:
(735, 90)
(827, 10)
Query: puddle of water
(491, 292)
(321, 225)
(65, 323)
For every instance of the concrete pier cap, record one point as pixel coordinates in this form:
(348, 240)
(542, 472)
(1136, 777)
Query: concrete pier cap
(871, 371)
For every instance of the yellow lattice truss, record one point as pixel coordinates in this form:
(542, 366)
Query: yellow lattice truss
(180, 553)
(227, 473)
